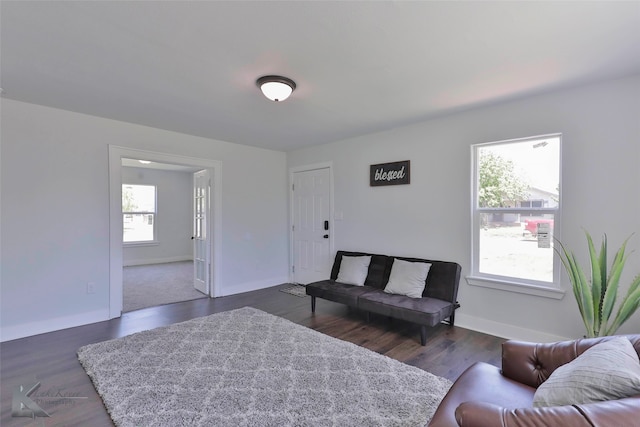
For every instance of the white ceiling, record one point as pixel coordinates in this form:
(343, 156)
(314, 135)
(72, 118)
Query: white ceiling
(360, 67)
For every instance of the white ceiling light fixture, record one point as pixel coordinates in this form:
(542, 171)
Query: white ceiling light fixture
(276, 88)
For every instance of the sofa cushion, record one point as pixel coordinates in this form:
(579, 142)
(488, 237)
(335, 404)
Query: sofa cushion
(607, 371)
(336, 291)
(379, 268)
(423, 311)
(407, 278)
(353, 270)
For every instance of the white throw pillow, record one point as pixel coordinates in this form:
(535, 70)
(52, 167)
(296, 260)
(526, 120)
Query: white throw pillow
(354, 270)
(407, 278)
(607, 371)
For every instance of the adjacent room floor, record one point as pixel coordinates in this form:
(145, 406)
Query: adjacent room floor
(158, 284)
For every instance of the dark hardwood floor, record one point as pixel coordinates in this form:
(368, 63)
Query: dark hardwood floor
(67, 394)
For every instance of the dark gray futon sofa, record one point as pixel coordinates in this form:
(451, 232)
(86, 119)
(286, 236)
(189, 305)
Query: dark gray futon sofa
(438, 302)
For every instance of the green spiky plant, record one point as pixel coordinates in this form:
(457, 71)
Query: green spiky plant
(596, 297)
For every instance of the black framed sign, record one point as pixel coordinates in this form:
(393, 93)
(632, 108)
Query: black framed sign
(395, 173)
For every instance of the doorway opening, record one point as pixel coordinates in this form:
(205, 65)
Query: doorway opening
(159, 234)
(209, 252)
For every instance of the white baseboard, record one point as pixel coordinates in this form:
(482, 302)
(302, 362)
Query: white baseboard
(253, 286)
(8, 333)
(504, 330)
(130, 263)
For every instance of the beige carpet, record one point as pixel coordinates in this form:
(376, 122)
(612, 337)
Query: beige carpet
(158, 284)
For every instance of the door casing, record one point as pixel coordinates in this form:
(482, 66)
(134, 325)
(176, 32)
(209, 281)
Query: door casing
(116, 154)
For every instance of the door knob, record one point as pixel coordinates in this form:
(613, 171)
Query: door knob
(326, 236)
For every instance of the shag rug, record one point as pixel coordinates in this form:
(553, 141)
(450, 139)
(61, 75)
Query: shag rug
(246, 367)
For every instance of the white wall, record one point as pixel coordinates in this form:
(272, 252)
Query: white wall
(54, 231)
(55, 213)
(430, 217)
(174, 191)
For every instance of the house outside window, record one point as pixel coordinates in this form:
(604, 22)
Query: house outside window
(138, 213)
(515, 213)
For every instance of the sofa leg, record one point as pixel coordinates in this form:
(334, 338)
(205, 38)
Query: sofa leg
(313, 304)
(423, 335)
(452, 319)
(368, 316)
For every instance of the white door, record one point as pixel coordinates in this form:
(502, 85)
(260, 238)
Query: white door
(311, 225)
(201, 231)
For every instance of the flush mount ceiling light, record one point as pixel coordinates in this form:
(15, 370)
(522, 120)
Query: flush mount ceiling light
(276, 88)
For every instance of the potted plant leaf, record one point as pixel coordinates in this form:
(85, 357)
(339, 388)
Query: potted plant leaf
(596, 296)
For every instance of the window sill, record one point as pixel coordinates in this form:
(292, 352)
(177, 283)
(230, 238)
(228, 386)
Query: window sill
(518, 287)
(140, 244)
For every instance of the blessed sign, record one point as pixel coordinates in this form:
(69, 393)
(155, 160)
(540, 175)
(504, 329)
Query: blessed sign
(395, 173)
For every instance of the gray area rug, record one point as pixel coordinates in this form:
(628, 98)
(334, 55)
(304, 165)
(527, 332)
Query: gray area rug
(246, 367)
(157, 284)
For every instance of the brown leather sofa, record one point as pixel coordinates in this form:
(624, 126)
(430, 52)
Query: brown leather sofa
(486, 396)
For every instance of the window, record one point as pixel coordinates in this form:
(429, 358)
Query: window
(516, 206)
(138, 213)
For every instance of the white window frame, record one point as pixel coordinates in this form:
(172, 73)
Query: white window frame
(154, 241)
(509, 283)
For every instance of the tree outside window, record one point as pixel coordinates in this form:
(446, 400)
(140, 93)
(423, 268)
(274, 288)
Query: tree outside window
(499, 185)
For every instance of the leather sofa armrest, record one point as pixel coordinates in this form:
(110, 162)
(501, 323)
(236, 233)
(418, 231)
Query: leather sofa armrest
(622, 412)
(480, 414)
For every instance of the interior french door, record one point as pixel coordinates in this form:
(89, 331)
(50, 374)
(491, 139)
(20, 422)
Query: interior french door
(201, 231)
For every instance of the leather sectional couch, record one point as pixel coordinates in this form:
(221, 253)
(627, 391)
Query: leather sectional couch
(438, 301)
(487, 396)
